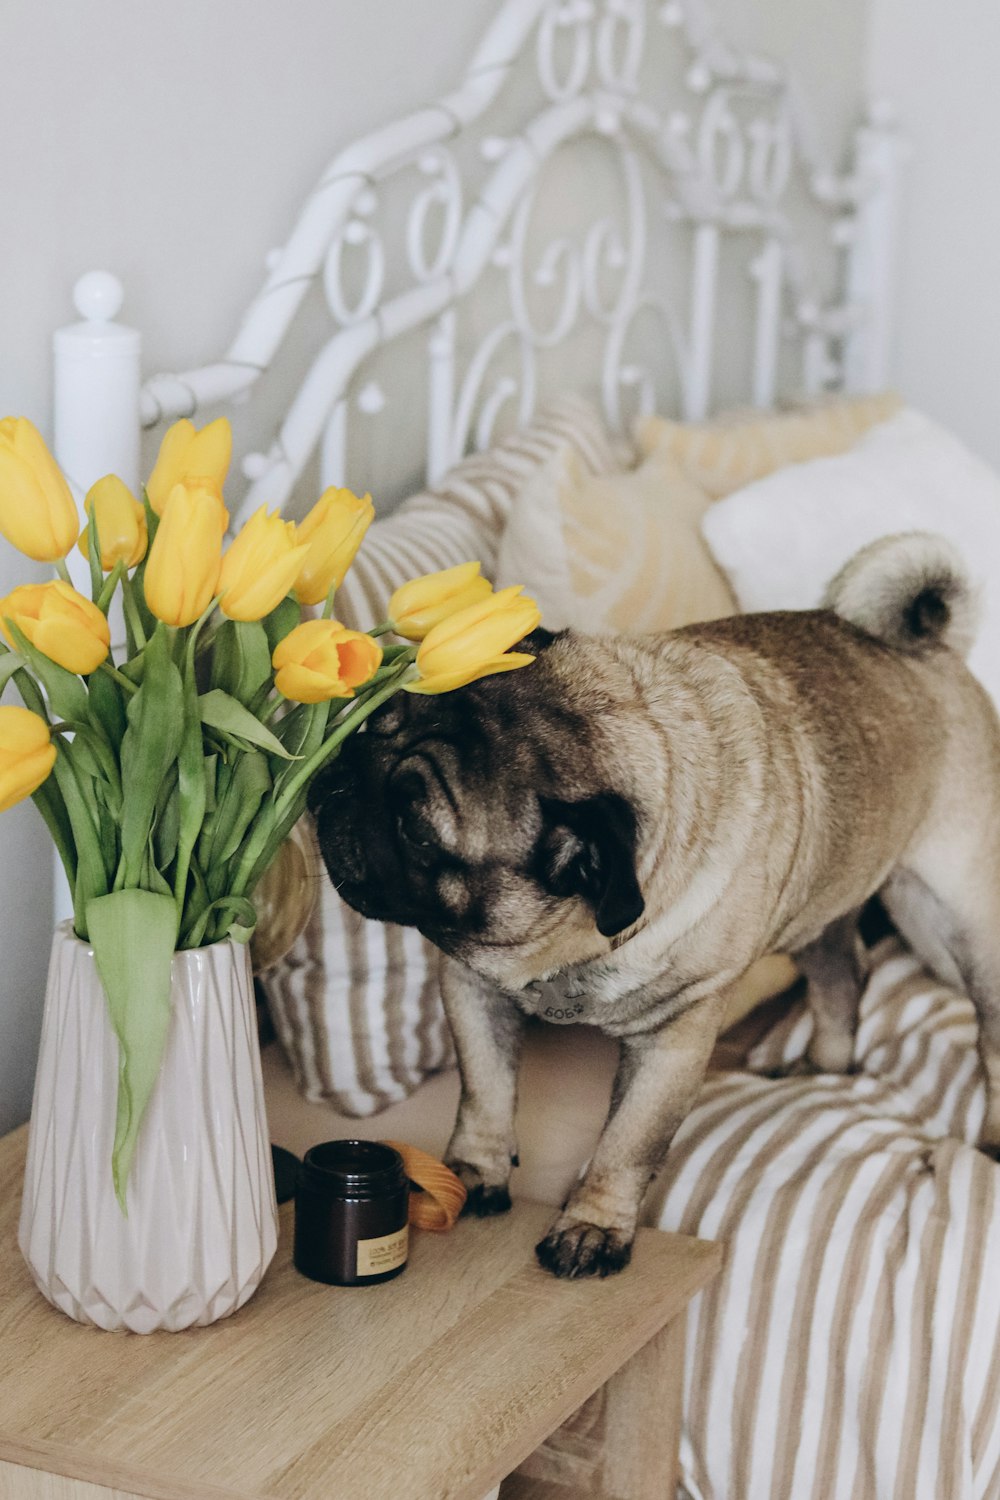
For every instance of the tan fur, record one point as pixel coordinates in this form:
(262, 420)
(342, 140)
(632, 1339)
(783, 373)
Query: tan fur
(780, 770)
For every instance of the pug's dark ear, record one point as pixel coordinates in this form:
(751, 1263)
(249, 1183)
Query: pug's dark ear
(539, 638)
(588, 850)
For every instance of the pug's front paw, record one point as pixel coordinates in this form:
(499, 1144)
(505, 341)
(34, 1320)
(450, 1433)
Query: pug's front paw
(483, 1199)
(574, 1248)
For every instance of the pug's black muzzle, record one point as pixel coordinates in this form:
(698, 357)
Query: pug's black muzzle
(354, 829)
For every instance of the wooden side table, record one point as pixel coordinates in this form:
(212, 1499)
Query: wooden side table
(430, 1387)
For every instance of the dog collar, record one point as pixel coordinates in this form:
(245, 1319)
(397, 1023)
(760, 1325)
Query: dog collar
(565, 999)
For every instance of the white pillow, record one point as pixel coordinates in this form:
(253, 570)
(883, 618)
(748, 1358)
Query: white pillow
(780, 540)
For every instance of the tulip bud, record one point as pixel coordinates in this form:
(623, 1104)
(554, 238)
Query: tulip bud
(416, 607)
(334, 529)
(320, 659)
(260, 567)
(185, 560)
(187, 455)
(27, 754)
(60, 623)
(37, 511)
(475, 642)
(121, 523)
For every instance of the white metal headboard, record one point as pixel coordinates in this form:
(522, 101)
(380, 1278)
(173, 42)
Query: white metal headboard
(702, 158)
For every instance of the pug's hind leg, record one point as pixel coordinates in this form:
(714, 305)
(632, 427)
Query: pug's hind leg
(488, 1029)
(658, 1078)
(949, 913)
(835, 970)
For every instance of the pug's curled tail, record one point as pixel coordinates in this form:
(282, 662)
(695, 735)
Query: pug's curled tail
(911, 591)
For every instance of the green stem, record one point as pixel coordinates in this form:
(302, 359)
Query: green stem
(107, 593)
(132, 616)
(267, 713)
(130, 687)
(62, 570)
(385, 628)
(327, 613)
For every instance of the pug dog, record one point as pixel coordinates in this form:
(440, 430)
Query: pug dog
(612, 835)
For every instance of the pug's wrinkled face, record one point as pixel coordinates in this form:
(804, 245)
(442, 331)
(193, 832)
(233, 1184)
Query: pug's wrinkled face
(483, 818)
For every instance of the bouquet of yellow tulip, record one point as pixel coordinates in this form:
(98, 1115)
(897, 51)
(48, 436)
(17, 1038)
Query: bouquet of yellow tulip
(170, 777)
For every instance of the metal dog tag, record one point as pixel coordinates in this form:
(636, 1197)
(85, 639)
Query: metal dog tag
(561, 1000)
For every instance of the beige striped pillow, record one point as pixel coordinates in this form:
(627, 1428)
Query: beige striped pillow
(735, 448)
(851, 1345)
(356, 1004)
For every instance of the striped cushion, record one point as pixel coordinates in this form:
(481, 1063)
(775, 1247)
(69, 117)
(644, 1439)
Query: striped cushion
(356, 1004)
(851, 1346)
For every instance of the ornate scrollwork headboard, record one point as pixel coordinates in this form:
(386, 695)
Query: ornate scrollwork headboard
(611, 199)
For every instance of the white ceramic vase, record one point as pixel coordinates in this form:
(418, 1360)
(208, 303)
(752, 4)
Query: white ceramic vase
(202, 1222)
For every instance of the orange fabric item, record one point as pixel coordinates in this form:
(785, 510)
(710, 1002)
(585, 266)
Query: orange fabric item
(440, 1203)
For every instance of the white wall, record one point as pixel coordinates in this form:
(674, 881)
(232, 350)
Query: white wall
(173, 144)
(938, 65)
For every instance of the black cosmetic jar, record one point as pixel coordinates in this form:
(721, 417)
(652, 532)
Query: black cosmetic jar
(351, 1213)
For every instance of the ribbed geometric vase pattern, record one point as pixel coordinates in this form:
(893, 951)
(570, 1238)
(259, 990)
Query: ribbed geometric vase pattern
(202, 1222)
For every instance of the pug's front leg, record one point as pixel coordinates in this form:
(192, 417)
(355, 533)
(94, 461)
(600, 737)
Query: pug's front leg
(488, 1029)
(656, 1083)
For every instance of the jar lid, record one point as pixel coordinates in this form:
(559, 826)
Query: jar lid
(353, 1168)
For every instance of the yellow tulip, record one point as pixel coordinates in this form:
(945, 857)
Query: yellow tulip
(260, 567)
(60, 623)
(475, 642)
(27, 754)
(121, 523)
(37, 511)
(334, 529)
(321, 659)
(187, 454)
(416, 607)
(185, 560)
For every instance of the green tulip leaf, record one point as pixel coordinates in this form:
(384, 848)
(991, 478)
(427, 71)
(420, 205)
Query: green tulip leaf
(220, 711)
(192, 787)
(281, 622)
(10, 663)
(167, 822)
(211, 764)
(237, 809)
(240, 917)
(134, 934)
(92, 871)
(241, 659)
(105, 707)
(149, 749)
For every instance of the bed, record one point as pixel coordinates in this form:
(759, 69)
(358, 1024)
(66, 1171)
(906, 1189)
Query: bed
(615, 215)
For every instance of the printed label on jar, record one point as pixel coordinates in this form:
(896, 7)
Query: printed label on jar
(383, 1254)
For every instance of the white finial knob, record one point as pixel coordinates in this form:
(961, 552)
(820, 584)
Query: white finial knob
(255, 466)
(98, 296)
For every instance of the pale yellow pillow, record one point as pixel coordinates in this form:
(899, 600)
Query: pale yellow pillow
(621, 552)
(725, 454)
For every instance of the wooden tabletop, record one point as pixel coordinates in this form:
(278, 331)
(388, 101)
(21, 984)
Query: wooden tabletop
(435, 1384)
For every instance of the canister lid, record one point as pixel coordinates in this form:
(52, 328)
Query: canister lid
(352, 1169)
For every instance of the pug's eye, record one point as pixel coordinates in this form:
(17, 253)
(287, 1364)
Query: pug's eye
(413, 827)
